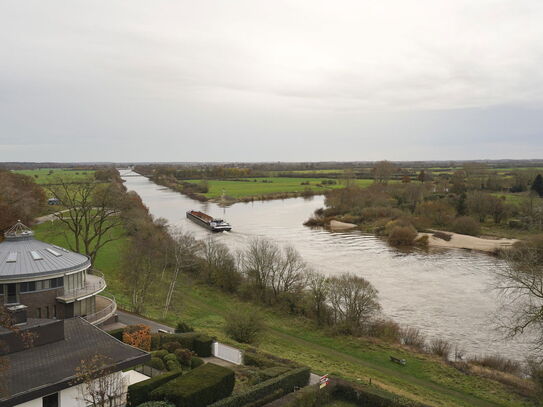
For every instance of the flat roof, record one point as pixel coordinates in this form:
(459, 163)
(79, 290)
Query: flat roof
(45, 369)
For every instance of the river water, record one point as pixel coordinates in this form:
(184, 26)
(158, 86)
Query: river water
(446, 293)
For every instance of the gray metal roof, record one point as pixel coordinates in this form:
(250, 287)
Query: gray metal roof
(25, 265)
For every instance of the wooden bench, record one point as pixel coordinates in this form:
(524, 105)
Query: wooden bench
(398, 361)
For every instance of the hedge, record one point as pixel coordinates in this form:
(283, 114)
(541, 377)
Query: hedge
(195, 362)
(198, 388)
(139, 392)
(197, 342)
(156, 404)
(156, 363)
(117, 333)
(262, 393)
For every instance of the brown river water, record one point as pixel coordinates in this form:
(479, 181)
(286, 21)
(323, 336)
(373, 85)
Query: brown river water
(446, 293)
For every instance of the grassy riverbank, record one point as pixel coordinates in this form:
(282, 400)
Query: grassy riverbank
(424, 378)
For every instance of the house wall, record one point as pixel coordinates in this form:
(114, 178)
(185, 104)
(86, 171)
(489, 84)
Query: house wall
(71, 397)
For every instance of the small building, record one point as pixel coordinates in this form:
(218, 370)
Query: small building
(51, 281)
(45, 373)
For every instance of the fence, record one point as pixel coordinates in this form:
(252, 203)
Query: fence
(227, 353)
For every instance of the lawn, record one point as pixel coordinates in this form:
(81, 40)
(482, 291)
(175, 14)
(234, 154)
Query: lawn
(268, 186)
(49, 175)
(424, 378)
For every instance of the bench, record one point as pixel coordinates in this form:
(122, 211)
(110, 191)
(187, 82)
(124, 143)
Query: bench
(398, 361)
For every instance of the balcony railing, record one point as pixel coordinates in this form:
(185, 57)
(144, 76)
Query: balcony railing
(94, 284)
(105, 309)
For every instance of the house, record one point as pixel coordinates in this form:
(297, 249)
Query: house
(44, 374)
(51, 281)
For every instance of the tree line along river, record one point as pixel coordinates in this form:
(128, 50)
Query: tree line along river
(447, 293)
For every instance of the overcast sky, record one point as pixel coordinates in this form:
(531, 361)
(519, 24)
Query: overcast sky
(270, 80)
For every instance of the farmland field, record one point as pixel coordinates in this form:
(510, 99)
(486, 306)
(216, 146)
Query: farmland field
(266, 186)
(49, 175)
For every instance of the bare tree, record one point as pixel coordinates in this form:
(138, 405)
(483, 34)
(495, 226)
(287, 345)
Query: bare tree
(521, 285)
(219, 266)
(353, 301)
(92, 214)
(98, 384)
(289, 274)
(184, 253)
(259, 262)
(382, 171)
(318, 289)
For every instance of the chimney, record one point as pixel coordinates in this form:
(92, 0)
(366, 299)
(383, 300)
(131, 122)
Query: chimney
(18, 314)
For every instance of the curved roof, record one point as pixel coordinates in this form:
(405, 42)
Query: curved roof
(23, 256)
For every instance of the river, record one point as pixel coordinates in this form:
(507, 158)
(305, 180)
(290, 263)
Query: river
(445, 293)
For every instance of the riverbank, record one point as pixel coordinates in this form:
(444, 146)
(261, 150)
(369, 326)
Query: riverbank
(424, 378)
(459, 241)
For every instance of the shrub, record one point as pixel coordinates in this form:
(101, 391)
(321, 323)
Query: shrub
(197, 342)
(172, 365)
(384, 329)
(171, 347)
(183, 327)
(244, 325)
(198, 388)
(497, 362)
(139, 392)
(184, 356)
(157, 363)
(402, 236)
(117, 333)
(156, 404)
(440, 347)
(466, 225)
(159, 353)
(169, 356)
(442, 235)
(412, 337)
(138, 336)
(195, 362)
(275, 387)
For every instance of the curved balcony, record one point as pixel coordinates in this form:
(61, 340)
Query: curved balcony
(105, 309)
(94, 284)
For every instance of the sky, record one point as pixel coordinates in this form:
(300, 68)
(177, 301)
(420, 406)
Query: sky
(251, 80)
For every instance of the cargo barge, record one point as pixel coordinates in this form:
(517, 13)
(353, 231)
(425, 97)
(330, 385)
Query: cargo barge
(215, 225)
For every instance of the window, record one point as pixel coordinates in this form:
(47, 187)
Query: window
(57, 282)
(28, 286)
(50, 400)
(38, 312)
(12, 293)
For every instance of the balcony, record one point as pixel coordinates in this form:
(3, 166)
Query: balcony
(105, 309)
(94, 284)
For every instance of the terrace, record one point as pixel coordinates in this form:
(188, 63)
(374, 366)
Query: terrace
(94, 284)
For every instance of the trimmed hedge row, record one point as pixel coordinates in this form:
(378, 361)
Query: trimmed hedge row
(198, 388)
(197, 342)
(139, 392)
(117, 333)
(261, 393)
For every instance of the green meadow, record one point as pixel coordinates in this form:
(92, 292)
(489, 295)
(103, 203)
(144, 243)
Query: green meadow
(50, 175)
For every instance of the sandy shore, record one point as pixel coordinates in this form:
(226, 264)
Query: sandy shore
(337, 225)
(459, 241)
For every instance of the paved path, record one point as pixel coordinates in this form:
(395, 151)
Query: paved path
(127, 318)
(46, 218)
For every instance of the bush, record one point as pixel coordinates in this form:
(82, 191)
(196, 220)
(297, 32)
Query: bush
(117, 333)
(156, 404)
(183, 327)
(384, 329)
(198, 388)
(138, 336)
(195, 362)
(184, 356)
(173, 365)
(277, 387)
(466, 225)
(440, 347)
(244, 325)
(197, 342)
(159, 353)
(140, 392)
(157, 363)
(412, 337)
(497, 362)
(168, 357)
(402, 236)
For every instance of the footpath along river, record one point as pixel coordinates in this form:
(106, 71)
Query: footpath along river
(446, 293)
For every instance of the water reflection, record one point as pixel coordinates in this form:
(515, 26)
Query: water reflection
(444, 292)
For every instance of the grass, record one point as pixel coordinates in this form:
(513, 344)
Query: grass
(424, 378)
(49, 175)
(340, 403)
(273, 185)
